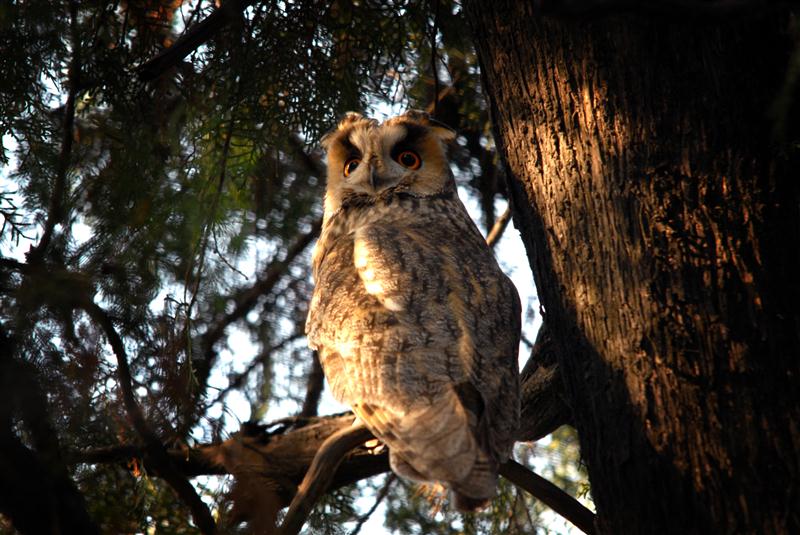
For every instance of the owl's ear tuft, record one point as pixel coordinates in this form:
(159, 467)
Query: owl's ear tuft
(348, 119)
(445, 134)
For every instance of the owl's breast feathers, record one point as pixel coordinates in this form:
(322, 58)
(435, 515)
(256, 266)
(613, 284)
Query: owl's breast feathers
(418, 331)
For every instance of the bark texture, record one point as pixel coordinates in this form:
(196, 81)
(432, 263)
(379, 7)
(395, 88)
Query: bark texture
(653, 173)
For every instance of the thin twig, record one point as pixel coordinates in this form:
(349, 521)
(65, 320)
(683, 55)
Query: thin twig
(244, 302)
(378, 499)
(549, 494)
(201, 245)
(156, 452)
(247, 299)
(240, 377)
(527, 341)
(319, 475)
(498, 228)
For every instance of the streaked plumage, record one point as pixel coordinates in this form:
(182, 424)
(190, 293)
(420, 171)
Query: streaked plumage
(416, 325)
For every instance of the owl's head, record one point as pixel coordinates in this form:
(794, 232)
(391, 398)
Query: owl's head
(408, 153)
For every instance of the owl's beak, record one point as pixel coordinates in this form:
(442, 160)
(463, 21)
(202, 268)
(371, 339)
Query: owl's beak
(373, 178)
(376, 181)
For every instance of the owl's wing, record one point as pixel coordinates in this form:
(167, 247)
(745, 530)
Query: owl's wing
(462, 312)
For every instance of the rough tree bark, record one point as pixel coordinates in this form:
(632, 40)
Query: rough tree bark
(659, 209)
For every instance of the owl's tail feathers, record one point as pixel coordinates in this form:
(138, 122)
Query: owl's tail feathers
(477, 489)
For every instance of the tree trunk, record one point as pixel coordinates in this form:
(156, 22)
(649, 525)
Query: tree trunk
(657, 196)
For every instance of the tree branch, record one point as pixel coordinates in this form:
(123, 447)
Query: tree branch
(320, 474)
(245, 301)
(543, 406)
(238, 380)
(190, 462)
(195, 36)
(499, 227)
(269, 466)
(549, 494)
(156, 453)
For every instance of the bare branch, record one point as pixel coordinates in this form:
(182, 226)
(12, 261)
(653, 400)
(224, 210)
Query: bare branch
(156, 453)
(549, 494)
(499, 227)
(190, 462)
(195, 36)
(320, 474)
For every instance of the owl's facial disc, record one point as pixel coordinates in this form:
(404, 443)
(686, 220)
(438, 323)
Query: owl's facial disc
(367, 158)
(372, 164)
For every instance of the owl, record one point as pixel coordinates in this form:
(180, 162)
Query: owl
(416, 326)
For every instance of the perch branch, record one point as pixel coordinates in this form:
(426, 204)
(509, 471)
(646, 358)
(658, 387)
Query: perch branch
(549, 494)
(319, 475)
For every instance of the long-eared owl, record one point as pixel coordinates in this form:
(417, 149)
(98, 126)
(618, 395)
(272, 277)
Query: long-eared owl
(416, 326)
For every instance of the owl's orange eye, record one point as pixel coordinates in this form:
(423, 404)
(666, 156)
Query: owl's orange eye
(351, 165)
(410, 159)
